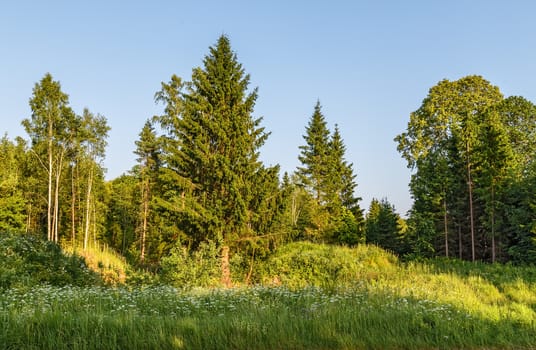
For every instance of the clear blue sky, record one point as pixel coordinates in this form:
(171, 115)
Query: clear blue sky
(370, 63)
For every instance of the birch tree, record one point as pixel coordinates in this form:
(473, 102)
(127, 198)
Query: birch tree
(48, 129)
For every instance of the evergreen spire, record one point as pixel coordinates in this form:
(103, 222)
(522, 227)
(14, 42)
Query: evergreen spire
(315, 155)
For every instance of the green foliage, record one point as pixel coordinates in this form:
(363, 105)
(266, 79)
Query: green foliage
(341, 178)
(211, 156)
(301, 264)
(471, 149)
(198, 268)
(439, 303)
(473, 185)
(28, 260)
(12, 203)
(62, 170)
(520, 220)
(123, 202)
(368, 301)
(148, 152)
(420, 234)
(348, 229)
(51, 128)
(383, 226)
(12, 213)
(330, 181)
(315, 156)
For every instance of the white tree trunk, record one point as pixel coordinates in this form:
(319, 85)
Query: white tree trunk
(88, 202)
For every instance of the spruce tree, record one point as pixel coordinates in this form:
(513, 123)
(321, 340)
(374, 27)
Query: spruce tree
(148, 151)
(330, 180)
(446, 128)
(315, 156)
(383, 226)
(341, 174)
(215, 163)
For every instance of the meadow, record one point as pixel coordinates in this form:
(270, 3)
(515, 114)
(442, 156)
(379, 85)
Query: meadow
(363, 298)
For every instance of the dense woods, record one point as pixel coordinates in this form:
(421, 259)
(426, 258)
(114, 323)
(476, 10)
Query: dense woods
(199, 185)
(472, 152)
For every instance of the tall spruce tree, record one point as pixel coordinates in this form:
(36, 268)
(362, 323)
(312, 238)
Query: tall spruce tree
(330, 179)
(215, 165)
(315, 156)
(495, 157)
(341, 178)
(148, 152)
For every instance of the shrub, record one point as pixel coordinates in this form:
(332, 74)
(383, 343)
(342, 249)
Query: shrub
(28, 260)
(301, 264)
(186, 269)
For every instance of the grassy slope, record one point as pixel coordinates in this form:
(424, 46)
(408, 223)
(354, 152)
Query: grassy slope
(364, 299)
(111, 267)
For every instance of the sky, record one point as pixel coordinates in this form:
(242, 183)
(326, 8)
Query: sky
(369, 63)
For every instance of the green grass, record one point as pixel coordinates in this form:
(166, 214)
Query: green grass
(252, 318)
(365, 316)
(313, 297)
(111, 267)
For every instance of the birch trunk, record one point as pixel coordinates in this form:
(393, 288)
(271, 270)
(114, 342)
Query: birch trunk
(88, 202)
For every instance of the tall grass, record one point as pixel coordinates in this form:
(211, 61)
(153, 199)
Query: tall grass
(314, 297)
(248, 318)
(111, 267)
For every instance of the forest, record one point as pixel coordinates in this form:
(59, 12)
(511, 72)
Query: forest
(201, 210)
(198, 177)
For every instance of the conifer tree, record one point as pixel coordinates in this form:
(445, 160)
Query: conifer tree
(495, 155)
(446, 128)
(215, 165)
(148, 151)
(315, 156)
(341, 174)
(383, 226)
(331, 181)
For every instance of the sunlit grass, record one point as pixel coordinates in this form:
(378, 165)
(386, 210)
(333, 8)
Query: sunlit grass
(363, 316)
(109, 265)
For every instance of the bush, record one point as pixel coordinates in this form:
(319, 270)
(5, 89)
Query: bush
(301, 264)
(187, 269)
(28, 260)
